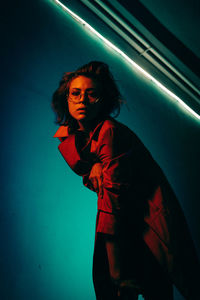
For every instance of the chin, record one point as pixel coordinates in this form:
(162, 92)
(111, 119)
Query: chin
(82, 117)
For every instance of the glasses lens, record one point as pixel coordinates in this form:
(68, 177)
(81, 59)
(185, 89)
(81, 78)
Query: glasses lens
(92, 96)
(74, 96)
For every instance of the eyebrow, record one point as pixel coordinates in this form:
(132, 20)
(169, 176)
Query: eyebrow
(89, 89)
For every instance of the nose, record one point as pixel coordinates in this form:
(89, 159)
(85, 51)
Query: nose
(83, 97)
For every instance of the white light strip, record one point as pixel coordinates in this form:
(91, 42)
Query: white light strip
(127, 58)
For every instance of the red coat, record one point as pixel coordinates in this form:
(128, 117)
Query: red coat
(135, 186)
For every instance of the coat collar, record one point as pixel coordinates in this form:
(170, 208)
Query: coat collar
(63, 131)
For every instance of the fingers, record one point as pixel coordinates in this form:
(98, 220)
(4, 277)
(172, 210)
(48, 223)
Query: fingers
(96, 178)
(100, 186)
(95, 184)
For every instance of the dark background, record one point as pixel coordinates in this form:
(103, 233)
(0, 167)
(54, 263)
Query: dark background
(47, 218)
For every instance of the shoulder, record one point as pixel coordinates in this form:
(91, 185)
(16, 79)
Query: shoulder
(116, 136)
(113, 128)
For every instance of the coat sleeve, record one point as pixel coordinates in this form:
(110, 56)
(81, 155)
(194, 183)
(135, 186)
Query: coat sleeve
(115, 152)
(73, 158)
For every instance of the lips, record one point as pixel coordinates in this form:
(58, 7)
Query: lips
(82, 109)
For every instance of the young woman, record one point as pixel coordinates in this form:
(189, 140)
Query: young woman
(142, 243)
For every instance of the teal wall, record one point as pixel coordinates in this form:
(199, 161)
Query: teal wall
(47, 218)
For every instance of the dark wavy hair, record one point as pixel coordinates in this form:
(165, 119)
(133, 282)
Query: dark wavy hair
(110, 94)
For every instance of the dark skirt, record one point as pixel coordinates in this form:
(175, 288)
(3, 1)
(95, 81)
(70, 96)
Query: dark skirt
(136, 262)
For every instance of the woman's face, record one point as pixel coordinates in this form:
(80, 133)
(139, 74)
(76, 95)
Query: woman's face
(83, 100)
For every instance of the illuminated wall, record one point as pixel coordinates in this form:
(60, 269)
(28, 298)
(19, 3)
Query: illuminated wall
(47, 216)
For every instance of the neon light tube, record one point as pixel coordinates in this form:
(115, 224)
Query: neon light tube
(127, 58)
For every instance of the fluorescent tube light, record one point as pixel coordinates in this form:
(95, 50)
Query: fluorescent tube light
(127, 58)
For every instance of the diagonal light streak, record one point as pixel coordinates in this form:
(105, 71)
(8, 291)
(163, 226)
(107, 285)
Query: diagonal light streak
(127, 58)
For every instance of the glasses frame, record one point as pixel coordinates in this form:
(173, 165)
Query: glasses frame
(70, 99)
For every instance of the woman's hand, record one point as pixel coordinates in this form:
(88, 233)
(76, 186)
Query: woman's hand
(96, 178)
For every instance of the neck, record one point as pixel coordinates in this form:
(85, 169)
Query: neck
(86, 126)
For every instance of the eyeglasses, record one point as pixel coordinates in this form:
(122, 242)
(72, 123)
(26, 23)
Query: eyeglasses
(92, 96)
